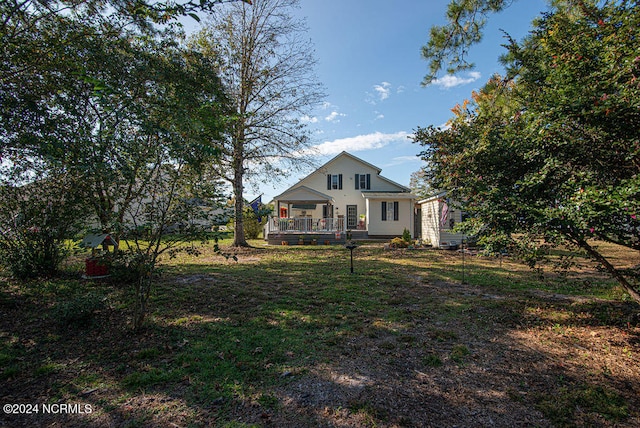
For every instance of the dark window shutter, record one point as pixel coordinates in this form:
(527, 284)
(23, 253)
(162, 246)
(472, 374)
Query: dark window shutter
(328, 181)
(357, 181)
(396, 214)
(384, 211)
(368, 181)
(340, 181)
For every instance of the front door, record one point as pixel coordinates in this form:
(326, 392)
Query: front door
(352, 216)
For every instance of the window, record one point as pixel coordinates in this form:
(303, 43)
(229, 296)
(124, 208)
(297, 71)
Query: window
(390, 211)
(334, 182)
(363, 181)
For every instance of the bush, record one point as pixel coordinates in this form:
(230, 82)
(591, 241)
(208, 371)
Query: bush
(79, 311)
(252, 227)
(32, 254)
(399, 243)
(127, 267)
(406, 236)
(35, 219)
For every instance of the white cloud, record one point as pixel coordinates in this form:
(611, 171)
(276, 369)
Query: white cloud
(403, 160)
(309, 119)
(379, 116)
(383, 90)
(359, 143)
(334, 117)
(450, 81)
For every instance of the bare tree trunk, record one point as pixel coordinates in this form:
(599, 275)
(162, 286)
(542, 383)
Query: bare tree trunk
(239, 239)
(615, 273)
(143, 290)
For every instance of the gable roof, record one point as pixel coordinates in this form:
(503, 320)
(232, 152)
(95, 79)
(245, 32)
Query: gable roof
(303, 194)
(405, 189)
(326, 166)
(352, 157)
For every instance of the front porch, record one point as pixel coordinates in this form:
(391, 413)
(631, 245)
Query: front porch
(305, 225)
(309, 231)
(304, 215)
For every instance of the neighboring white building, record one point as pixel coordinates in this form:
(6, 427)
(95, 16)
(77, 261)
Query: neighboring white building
(438, 220)
(346, 193)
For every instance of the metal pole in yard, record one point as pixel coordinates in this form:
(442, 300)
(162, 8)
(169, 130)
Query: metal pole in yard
(352, 260)
(463, 282)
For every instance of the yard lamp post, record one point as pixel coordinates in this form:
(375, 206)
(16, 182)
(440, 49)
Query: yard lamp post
(350, 245)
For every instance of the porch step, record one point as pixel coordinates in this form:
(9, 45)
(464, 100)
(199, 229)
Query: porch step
(359, 234)
(294, 239)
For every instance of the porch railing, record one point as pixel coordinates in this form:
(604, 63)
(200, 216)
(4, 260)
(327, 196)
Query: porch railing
(305, 225)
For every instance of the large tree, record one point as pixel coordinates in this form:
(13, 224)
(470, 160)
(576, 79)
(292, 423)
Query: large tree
(78, 78)
(118, 108)
(267, 67)
(551, 153)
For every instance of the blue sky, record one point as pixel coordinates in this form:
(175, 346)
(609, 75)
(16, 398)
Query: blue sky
(369, 59)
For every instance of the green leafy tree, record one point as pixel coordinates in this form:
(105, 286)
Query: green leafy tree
(551, 154)
(122, 110)
(448, 45)
(149, 135)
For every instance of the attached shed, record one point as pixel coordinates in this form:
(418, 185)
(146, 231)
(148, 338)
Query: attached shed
(438, 219)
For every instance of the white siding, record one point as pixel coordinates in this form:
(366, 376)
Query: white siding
(432, 229)
(390, 227)
(348, 195)
(431, 222)
(367, 200)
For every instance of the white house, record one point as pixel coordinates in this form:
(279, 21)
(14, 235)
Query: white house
(438, 219)
(345, 194)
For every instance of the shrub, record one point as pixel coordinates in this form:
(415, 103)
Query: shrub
(127, 267)
(35, 220)
(79, 311)
(399, 243)
(32, 253)
(253, 227)
(406, 236)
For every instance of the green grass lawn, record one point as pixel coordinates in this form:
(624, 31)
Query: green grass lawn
(287, 336)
